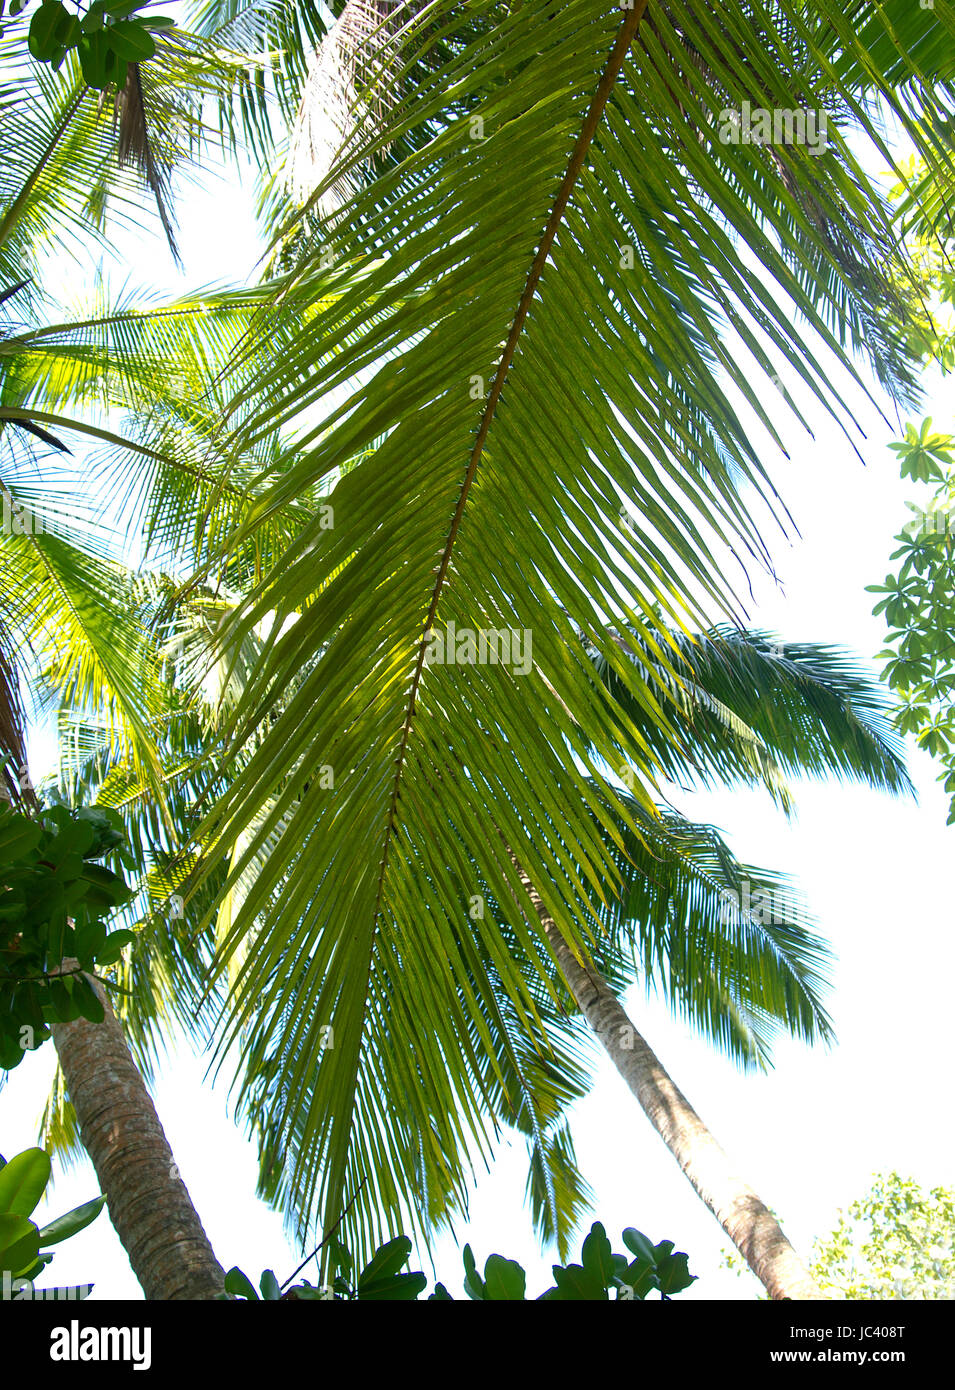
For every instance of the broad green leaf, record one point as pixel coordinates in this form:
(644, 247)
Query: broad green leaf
(72, 1222)
(387, 1260)
(638, 1244)
(672, 1272)
(504, 1280)
(131, 40)
(18, 835)
(575, 1283)
(240, 1285)
(23, 1181)
(473, 1283)
(43, 28)
(19, 1243)
(597, 1256)
(396, 1287)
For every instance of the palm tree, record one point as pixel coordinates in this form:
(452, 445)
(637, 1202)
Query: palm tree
(68, 607)
(753, 710)
(749, 710)
(558, 316)
(423, 529)
(745, 1218)
(147, 1201)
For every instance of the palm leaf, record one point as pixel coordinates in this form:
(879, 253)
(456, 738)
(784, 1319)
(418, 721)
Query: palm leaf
(756, 710)
(528, 384)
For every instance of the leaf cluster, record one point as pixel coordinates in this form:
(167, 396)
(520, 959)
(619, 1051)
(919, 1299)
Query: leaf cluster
(22, 1183)
(918, 602)
(54, 901)
(895, 1242)
(109, 36)
(652, 1268)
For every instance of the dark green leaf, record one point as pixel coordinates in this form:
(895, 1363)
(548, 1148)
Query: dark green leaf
(131, 41)
(403, 1287)
(240, 1285)
(504, 1280)
(387, 1260)
(43, 27)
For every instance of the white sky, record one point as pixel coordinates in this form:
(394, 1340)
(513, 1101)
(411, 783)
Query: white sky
(809, 1135)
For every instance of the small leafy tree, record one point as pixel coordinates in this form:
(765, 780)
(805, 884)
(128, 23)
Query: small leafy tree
(918, 600)
(896, 1242)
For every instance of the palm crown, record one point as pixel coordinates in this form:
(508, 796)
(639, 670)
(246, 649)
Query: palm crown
(535, 303)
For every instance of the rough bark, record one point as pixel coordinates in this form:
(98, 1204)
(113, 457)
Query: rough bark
(147, 1200)
(747, 1220)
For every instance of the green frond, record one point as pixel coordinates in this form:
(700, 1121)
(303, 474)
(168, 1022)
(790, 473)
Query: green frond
(555, 1181)
(59, 1132)
(532, 323)
(753, 709)
(732, 948)
(527, 379)
(277, 38)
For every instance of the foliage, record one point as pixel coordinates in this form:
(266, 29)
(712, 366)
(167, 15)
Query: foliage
(918, 601)
(918, 598)
(492, 498)
(22, 1254)
(534, 238)
(67, 607)
(896, 1242)
(689, 920)
(108, 35)
(73, 619)
(652, 1268)
(53, 907)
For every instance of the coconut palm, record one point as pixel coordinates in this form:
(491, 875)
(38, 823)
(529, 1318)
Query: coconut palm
(749, 710)
(559, 316)
(523, 394)
(71, 173)
(70, 622)
(754, 710)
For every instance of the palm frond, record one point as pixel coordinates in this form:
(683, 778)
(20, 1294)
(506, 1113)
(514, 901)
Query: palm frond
(346, 65)
(732, 948)
(14, 776)
(753, 709)
(527, 379)
(277, 39)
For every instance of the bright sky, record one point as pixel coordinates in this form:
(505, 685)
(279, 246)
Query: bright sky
(809, 1135)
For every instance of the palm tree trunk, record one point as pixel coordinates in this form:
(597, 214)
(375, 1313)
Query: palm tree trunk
(747, 1221)
(147, 1200)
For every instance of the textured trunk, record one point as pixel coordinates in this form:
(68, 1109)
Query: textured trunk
(147, 1200)
(747, 1221)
